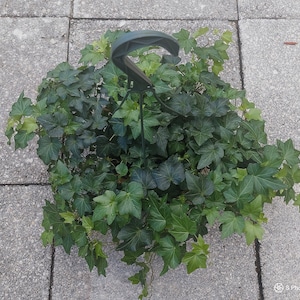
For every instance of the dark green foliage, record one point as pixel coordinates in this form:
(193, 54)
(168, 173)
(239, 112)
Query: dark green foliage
(205, 160)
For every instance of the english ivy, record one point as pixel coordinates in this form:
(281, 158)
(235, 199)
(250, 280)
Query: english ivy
(205, 159)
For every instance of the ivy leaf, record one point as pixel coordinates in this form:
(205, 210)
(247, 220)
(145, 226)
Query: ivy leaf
(199, 187)
(48, 148)
(69, 76)
(241, 193)
(231, 224)
(82, 204)
(262, 179)
(255, 131)
(253, 209)
(60, 174)
(134, 237)
(22, 138)
(90, 55)
(21, 108)
(181, 103)
(170, 252)
(196, 258)
(161, 87)
(200, 31)
(182, 227)
(170, 171)
(107, 207)
(162, 136)
(216, 108)
(210, 153)
(67, 242)
(202, 134)
(144, 177)
(253, 231)
(68, 216)
(87, 224)
(130, 202)
(159, 212)
(184, 40)
(289, 153)
(122, 169)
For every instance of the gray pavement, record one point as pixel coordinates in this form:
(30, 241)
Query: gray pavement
(35, 35)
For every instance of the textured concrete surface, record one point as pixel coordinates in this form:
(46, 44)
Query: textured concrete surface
(269, 9)
(230, 275)
(36, 35)
(29, 48)
(156, 9)
(24, 262)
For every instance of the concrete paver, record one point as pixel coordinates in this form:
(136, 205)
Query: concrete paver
(230, 275)
(36, 8)
(31, 47)
(271, 9)
(271, 75)
(24, 262)
(156, 9)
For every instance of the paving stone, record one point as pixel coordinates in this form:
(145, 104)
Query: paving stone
(230, 275)
(272, 73)
(24, 262)
(34, 8)
(280, 252)
(156, 9)
(31, 47)
(256, 9)
(86, 31)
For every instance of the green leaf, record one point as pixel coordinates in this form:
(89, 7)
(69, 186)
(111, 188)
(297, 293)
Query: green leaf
(253, 231)
(253, 209)
(288, 152)
(130, 202)
(87, 223)
(227, 36)
(144, 177)
(107, 207)
(60, 174)
(231, 224)
(134, 237)
(29, 125)
(69, 76)
(67, 242)
(21, 108)
(122, 169)
(253, 114)
(170, 252)
(196, 258)
(170, 171)
(22, 138)
(159, 212)
(262, 179)
(48, 148)
(184, 40)
(199, 187)
(68, 216)
(47, 238)
(181, 103)
(82, 205)
(210, 153)
(182, 227)
(200, 31)
(255, 131)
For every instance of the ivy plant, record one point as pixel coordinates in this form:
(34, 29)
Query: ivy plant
(205, 158)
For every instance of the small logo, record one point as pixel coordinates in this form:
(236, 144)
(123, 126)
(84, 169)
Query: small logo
(278, 288)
